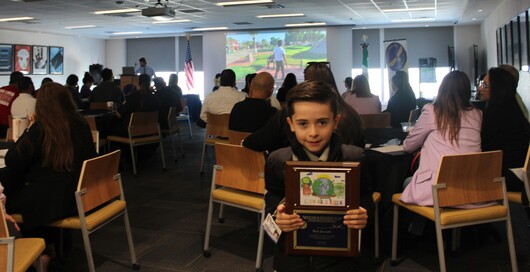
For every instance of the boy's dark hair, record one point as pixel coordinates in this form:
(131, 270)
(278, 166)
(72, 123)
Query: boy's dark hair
(106, 74)
(228, 78)
(312, 91)
(25, 84)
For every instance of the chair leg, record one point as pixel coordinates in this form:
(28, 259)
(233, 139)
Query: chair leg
(88, 250)
(162, 154)
(511, 246)
(394, 235)
(206, 252)
(180, 145)
(259, 253)
(189, 125)
(133, 159)
(130, 240)
(376, 230)
(173, 148)
(455, 241)
(440, 244)
(202, 158)
(221, 213)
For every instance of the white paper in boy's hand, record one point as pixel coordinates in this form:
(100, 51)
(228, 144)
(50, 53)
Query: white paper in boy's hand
(518, 172)
(271, 228)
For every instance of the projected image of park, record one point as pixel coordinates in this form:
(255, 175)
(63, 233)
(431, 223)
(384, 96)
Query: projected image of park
(248, 53)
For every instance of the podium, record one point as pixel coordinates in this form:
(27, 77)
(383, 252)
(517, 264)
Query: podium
(129, 79)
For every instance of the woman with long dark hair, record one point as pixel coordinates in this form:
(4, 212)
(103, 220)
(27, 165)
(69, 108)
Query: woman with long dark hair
(288, 83)
(402, 101)
(451, 125)
(361, 98)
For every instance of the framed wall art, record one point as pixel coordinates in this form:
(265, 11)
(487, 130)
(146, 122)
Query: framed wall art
(23, 58)
(40, 59)
(56, 60)
(6, 59)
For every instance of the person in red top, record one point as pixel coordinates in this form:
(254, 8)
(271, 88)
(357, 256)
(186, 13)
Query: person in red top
(7, 95)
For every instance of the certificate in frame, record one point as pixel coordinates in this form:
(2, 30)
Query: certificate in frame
(321, 193)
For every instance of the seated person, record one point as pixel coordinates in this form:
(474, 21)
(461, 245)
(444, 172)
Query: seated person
(24, 104)
(106, 91)
(42, 171)
(402, 100)
(450, 125)
(223, 100)
(313, 116)
(166, 99)
(361, 99)
(142, 100)
(254, 112)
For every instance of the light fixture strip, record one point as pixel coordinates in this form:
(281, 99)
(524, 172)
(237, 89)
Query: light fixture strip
(171, 21)
(126, 33)
(16, 19)
(280, 15)
(79, 27)
(246, 2)
(115, 11)
(307, 24)
(210, 28)
(413, 20)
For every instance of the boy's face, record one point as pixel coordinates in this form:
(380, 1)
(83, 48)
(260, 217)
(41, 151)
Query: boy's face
(313, 124)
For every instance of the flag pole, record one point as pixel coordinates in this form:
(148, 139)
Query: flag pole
(364, 46)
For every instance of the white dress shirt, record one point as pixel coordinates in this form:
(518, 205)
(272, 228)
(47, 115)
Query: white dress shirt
(221, 101)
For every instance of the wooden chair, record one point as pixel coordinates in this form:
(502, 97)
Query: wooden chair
(173, 128)
(100, 199)
(143, 129)
(376, 120)
(18, 254)
(463, 179)
(98, 106)
(216, 132)
(414, 115)
(518, 196)
(185, 114)
(238, 181)
(91, 120)
(237, 137)
(376, 198)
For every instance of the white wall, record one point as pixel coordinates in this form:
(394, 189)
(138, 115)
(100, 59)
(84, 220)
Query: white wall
(465, 37)
(79, 52)
(116, 55)
(340, 54)
(214, 57)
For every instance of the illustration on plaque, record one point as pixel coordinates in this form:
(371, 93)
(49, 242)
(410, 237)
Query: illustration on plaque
(322, 189)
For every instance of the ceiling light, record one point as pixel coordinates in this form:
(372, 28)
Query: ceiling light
(412, 20)
(114, 11)
(79, 27)
(210, 28)
(126, 33)
(171, 21)
(307, 24)
(474, 19)
(16, 19)
(480, 10)
(246, 2)
(407, 9)
(281, 15)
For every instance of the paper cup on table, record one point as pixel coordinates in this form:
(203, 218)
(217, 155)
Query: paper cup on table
(19, 126)
(405, 126)
(110, 105)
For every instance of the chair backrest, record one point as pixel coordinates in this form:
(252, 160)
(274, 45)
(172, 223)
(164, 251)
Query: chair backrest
(91, 120)
(239, 168)
(235, 137)
(184, 103)
(172, 122)
(526, 172)
(217, 124)
(143, 124)
(98, 105)
(470, 178)
(95, 139)
(376, 120)
(414, 115)
(4, 233)
(99, 180)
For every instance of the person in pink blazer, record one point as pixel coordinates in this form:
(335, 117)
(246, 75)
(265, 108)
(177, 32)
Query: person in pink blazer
(451, 125)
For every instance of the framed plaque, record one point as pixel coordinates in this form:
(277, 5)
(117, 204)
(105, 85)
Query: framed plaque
(321, 193)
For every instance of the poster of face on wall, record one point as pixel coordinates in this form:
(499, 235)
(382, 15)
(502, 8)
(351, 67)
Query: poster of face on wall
(6, 59)
(56, 60)
(40, 60)
(23, 58)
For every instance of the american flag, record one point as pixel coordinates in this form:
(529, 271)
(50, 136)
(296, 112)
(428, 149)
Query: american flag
(188, 68)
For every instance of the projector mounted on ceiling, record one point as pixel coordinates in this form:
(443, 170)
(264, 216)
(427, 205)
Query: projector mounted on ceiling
(159, 10)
